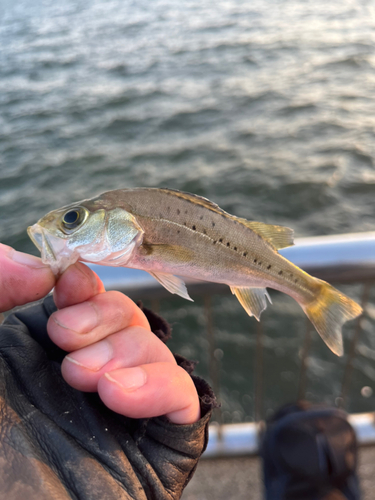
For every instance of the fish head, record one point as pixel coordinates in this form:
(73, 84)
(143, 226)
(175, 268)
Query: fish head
(86, 233)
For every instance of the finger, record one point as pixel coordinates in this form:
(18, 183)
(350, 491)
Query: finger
(151, 390)
(131, 347)
(23, 278)
(80, 325)
(77, 284)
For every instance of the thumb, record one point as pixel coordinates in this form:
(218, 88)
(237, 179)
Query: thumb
(23, 278)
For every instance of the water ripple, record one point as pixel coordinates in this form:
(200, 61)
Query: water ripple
(266, 107)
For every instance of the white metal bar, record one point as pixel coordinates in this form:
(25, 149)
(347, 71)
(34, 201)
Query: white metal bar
(243, 439)
(346, 257)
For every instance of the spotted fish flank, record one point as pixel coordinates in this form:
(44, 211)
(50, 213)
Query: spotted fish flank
(170, 233)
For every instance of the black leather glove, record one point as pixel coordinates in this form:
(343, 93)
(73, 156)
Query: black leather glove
(60, 443)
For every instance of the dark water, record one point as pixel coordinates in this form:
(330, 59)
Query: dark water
(266, 107)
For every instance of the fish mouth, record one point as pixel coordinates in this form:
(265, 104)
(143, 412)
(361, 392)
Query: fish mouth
(43, 243)
(55, 251)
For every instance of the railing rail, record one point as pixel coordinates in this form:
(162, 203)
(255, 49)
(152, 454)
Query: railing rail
(244, 439)
(345, 259)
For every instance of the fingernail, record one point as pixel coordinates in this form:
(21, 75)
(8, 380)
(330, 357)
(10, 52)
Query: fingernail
(93, 357)
(129, 379)
(27, 260)
(81, 318)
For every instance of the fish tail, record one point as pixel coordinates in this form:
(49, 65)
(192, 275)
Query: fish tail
(328, 311)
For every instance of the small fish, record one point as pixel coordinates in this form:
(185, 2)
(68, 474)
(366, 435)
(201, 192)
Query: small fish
(170, 233)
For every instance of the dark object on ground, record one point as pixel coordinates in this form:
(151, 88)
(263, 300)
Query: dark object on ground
(310, 453)
(59, 443)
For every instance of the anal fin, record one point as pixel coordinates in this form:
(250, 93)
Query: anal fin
(172, 284)
(253, 300)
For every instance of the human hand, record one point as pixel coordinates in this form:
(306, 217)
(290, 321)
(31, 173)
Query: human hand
(23, 278)
(121, 337)
(113, 351)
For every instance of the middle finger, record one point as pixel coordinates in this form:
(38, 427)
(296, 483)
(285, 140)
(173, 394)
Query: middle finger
(127, 348)
(80, 325)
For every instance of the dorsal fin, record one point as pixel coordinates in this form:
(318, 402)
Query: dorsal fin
(195, 198)
(277, 236)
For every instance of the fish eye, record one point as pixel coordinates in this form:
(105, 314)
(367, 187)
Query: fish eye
(73, 218)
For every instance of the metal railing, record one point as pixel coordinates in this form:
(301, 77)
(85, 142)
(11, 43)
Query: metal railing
(341, 259)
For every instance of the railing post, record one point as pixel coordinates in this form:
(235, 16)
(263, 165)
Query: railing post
(258, 376)
(353, 347)
(213, 367)
(155, 306)
(305, 352)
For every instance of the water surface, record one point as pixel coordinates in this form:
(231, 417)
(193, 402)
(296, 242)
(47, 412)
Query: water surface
(266, 107)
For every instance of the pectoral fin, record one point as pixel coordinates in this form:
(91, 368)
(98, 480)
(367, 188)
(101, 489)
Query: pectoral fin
(172, 284)
(253, 300)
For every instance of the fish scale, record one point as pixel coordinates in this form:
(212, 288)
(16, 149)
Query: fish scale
(184, 215)
(172, 234)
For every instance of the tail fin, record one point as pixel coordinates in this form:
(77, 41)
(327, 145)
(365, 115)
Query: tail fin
(328, 312)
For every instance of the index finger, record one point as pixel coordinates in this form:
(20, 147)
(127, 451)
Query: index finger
(23, 278)
(77, 284)
(80, 284)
